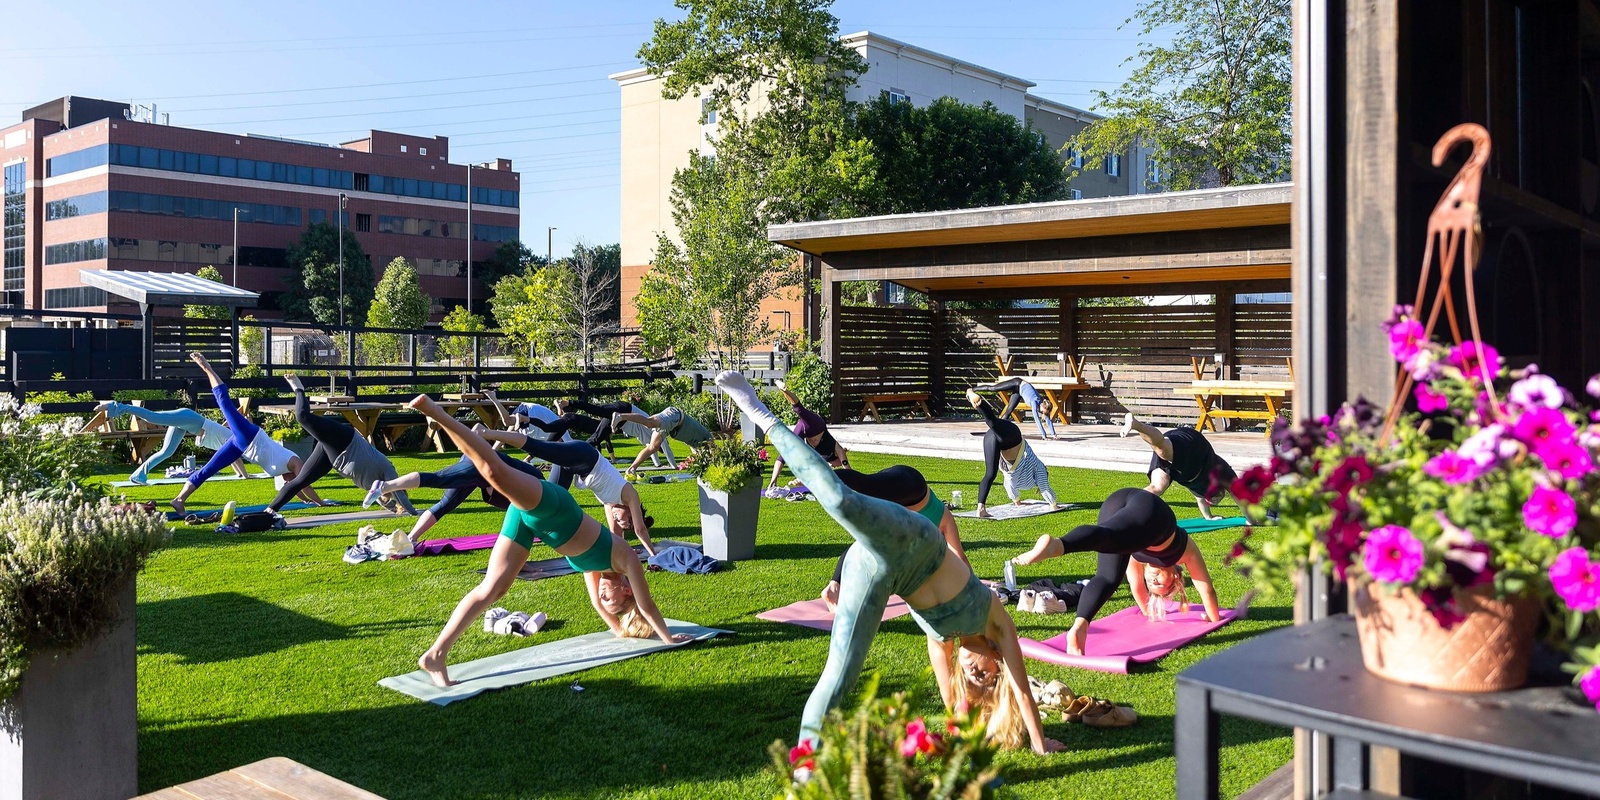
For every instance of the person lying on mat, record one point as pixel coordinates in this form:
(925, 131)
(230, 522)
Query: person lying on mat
(581, 461)
(1184, 456)
(971, 639)
(906, 486)
(813, 429)
(245, 441)
(339, 448)
(1137, 537)
(670, 421)
(1004, 450)
(179, 422)
(543, 511)
(458, 482)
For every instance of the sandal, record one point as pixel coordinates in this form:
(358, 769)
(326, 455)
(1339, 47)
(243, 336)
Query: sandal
(1075, 708)
(1113, 717)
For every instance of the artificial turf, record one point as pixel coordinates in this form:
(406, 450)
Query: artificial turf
(256, 645)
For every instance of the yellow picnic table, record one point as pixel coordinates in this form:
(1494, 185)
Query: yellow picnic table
(1058, 389)
(268, 779)
(361, 416)
(1208, 393)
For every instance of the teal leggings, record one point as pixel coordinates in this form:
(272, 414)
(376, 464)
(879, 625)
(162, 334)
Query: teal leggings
(178, 422)
(896, 550)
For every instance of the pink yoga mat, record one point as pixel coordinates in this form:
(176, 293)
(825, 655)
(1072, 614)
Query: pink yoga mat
(1127, 637)
(457, 544)
(815, 613)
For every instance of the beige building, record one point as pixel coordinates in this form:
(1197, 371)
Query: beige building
(658, 135)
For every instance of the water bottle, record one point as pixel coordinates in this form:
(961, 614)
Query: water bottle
(955, 498)
(188, 463)
(1011, 575)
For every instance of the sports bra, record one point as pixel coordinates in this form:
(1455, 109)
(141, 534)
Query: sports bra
(1167, 556)
(554, 521)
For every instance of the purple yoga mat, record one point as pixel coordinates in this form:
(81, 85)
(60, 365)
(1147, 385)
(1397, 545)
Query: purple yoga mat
(1126, 637)
(815, 613)
(458, 544)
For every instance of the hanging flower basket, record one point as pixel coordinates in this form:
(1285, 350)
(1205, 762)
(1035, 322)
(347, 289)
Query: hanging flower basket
(1402, 642)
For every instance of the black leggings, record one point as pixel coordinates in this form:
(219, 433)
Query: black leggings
(332, 438)
(603, 411)
(1130, 521)
(575, 459)
(1009, 385)
(897, 484)
(1002, 436)
(579, 424)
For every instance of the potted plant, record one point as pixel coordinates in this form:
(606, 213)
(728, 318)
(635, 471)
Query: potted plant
(728, 471)
(882, 749)
(1455, 525)
(68, 718)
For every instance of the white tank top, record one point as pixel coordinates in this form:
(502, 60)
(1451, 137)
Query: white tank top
(265, 452)
(605, 481)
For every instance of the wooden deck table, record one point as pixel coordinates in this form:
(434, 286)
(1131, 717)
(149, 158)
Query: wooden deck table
(1207, 394)
(269, 779)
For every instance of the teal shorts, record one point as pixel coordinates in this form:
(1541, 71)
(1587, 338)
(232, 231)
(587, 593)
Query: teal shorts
(598, 557)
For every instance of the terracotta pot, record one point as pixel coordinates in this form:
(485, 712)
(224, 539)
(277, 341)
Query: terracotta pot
(1486, 652)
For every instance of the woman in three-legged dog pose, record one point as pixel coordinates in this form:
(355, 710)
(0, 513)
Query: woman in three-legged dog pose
(971, 640)
(1004, 450)
(906, 486)
(1183, 455)
(179, 422)
(580, 460)
(458, 481)
(813, 429)
(339, 449)
(543, 511)
(1137, 537)
(668, 422)
(1023, 392)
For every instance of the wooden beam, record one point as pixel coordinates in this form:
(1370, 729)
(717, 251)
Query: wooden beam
(1121, 290)
(830, 340)
(1089, 283)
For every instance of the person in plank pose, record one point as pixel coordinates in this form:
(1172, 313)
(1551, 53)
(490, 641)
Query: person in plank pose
(339, 448)
(972, 642)
(1023, 392)
(245, 441)
(906, 486)
(1005, 451)
(179, 422)
(1137, 537)
(1183, 455)
(543, 511)
(813, 429)
(670, 421)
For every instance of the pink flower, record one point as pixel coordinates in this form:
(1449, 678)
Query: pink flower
(1593, 387)
(1576, 579)
(1570, 461)
(919, 739)
(1551, 512)
(802, 750)
(1405, 339)
(1250, 487)
(1537, 391)
(1488, 445)
(1452, 468)
(1429, 401)
(1393, 555)
(1351, 472)
(1544, 428)
(1472, 357)
(1400, 314)
(1590, 684)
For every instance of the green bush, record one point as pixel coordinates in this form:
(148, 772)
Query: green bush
(63, 561)
(42, 456)
(811, 379)
(726, 464)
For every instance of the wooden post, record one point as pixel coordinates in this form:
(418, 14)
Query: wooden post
(1224, 313)
(1067, 347)
(146, 311)
(936, 376)
(413, 346)
(830, 340)
(233, 343)
(350, 345)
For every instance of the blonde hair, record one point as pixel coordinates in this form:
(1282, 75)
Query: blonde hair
(1179, 588)
(997, 709)
(634, 625)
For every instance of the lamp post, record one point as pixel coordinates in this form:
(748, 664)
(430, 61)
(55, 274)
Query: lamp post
(549, 238)
(236, 211)
(470, 168)
(342, 199)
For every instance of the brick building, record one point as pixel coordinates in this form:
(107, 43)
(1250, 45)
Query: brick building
(87, 188)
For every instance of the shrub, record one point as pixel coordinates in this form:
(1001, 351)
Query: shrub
(41, 457)
(726, 464)
(811, 379)
(62, 564)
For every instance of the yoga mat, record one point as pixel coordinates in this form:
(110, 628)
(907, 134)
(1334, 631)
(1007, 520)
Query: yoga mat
(538, 662)
(349, 516)
(1028, 508)
(1125, 638)
(815, 614)
(1198, 525)
(206, 515)
(456, 544)
(175, 481)
(558, 566)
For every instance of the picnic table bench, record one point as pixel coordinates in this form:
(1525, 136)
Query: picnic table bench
(268, 779)
(916, 399)
(1208, 395)
(142, 437)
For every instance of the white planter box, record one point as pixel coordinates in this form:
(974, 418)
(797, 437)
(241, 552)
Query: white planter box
(72, 728)
(728, 523)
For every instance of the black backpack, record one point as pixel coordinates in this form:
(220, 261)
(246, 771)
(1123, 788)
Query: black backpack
(255, 521)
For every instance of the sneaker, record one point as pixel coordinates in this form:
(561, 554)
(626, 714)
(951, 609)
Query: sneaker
(1026, 600)
(782, 384)
(493, 616)
(139, 479)
(1048, 603)
(373, 494)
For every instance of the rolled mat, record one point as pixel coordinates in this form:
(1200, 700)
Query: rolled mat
(1125, 638)
(376, 515)
(1198, 525)
(815, 614)
(1023, 510)
(456, 544)
(546, 660)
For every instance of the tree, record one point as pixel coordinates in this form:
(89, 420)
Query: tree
(704, 297)
(607, 266)
(510, 258)
(533, 310)
(595, 297)
(1213, 105)
(315, 292)
(951, 154)
(398, 302)
(459, 320)
(207, 312)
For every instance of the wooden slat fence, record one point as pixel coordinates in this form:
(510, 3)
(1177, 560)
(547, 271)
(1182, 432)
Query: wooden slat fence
(1136, 355)
(882, 351)
(972, 339)
(177, 337)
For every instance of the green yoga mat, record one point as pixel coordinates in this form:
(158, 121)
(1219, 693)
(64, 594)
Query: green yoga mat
(538, 662)
(1198, 525)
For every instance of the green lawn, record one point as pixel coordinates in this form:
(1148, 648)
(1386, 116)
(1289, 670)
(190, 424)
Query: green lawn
(267, 644)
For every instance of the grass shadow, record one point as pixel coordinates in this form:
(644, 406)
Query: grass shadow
(225, 626)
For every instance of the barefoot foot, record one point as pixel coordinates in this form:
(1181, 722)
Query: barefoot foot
(1077, 638)
(435, 667)
(1040, 551)
(177, 505)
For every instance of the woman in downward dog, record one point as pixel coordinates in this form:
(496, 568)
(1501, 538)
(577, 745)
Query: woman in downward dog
(339, 449)
(971, 640)
(1005, 451)
(543, 511)
(1137, 537)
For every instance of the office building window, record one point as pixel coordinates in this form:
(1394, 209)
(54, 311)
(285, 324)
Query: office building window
(363, 182)
(86, 158)
(1076, 194)
(81, 206)
(168, 250)
(321, 215)
(203, 208)
(494, 197)
(74, 297)
(1152, 172)
(421, 227)
(1075, 157)
(16, 230)
(128, 155)
(894, 294)
(364, 223)
(896, 97)
(445, 267)
(493, 233)
(1114, 165)
(708, 113)
(70, 252)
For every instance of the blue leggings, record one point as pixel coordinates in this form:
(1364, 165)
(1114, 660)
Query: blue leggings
(179, 422)
(459, 479)
(244, 432)
(896, 550)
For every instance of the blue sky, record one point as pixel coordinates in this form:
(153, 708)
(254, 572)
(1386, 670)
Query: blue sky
(518, 80)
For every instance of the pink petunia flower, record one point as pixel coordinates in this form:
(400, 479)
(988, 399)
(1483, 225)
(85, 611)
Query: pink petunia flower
(1550, 511)
(1393, 555)
(919, 739)
(1405, 339)
(1537, 391)
(1429, 401)
(1351, 472)
(1544, 428)
(1590, 684)
(1576, 579)
(1472, 357)
(1489, 445)
(1252, 485)
(1453, 468)
(1593, 387)
(1570, 461)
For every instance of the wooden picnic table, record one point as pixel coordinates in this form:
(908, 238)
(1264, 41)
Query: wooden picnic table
(361, 416)
(1208, 393)
(366, 417)
(143, 438)
(1058, 389)
(268, 779)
